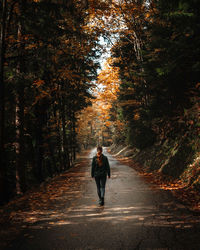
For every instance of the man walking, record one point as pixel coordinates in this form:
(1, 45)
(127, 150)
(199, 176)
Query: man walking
(100, 170)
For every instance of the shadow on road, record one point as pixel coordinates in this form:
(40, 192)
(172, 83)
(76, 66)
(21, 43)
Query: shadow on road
(65, 215)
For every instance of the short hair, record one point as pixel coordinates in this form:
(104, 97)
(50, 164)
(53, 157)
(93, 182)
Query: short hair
(99, 148)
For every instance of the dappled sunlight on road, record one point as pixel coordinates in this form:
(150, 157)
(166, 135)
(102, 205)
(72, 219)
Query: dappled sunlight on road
(134, 204)
(135, 215)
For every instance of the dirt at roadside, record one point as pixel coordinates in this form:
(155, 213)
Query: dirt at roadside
(188, 196)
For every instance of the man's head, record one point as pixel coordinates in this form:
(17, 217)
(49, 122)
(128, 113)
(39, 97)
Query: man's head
(99, 149)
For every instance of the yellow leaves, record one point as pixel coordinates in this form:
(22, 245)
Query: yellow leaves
(88, 29)
(109, 80)
(97, 117)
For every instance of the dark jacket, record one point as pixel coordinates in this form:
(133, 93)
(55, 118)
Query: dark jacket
(103, 170)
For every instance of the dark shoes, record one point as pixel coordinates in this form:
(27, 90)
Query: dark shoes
(101, 202)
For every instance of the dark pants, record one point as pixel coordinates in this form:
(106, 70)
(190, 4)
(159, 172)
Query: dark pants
(101, 183)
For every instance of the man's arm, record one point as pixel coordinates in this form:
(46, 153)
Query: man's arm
(93, 167)
(108, 167)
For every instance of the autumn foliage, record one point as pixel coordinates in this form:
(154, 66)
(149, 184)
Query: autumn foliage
(48, 64)
(154, 64)
(54, 101)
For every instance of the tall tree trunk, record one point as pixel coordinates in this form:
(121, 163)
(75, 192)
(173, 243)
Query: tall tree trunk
(3, 178)
(58, 138)
(65, 145)
(52, 147)
(74, 135)
(39, 143)
(70, 136)
(20, 106)
(60, 143)
(20, 147)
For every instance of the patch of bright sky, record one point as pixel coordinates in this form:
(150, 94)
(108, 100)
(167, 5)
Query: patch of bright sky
(102, 59)
(105, 55)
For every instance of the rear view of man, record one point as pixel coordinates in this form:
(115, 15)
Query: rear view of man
(100, 170)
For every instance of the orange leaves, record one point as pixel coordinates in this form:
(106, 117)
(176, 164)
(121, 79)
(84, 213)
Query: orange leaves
(46, 204)
(86, 122)
(136, 116)
(109, 80)
(178, 188)
(108, 123)
(38, 83)
(96, 118)
(147, 15)
(42, 90)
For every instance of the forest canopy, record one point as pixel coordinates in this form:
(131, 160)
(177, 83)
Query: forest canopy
(54, 100)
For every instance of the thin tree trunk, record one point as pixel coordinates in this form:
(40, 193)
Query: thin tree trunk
(70, 136)
(20, 106)
(65, 145)
(60, 143)
(52, 149)
(39, 144)
(20, 147)
(3, 178)
(58, 139)
(74, 136)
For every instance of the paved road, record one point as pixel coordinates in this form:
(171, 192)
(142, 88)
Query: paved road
(135, 216)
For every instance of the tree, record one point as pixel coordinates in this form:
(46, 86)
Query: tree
(3, 195)
(48, 69)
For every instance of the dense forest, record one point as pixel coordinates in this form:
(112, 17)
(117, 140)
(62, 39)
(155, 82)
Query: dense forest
(158, 58)
(47, 67)
(53, 102)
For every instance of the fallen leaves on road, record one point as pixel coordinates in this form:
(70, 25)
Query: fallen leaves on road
(188, 196)
(42, 204)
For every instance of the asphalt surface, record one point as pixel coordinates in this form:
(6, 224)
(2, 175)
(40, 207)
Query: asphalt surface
(135, 216)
